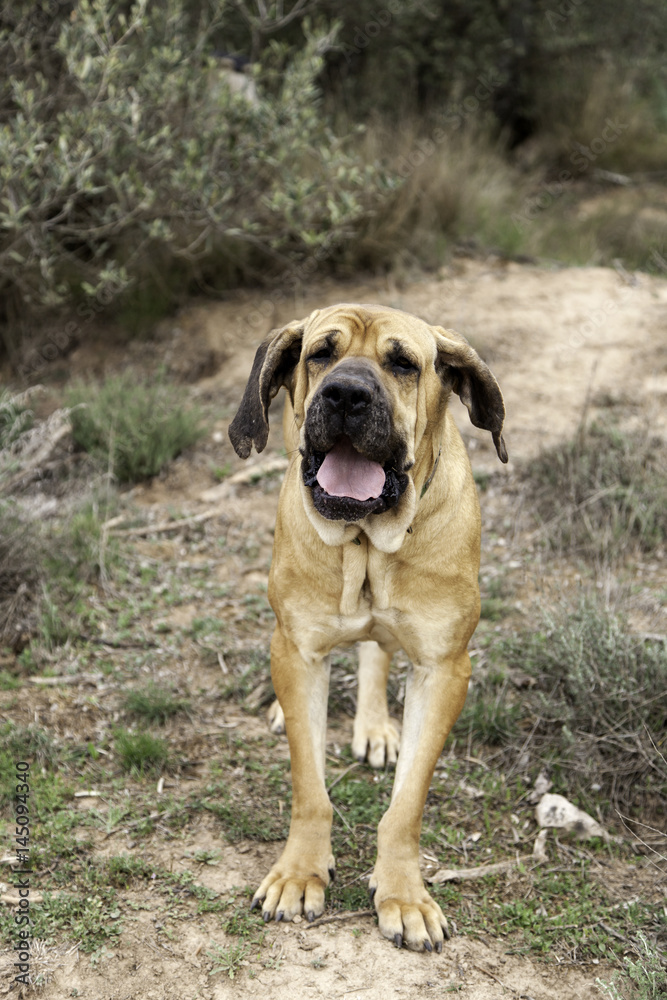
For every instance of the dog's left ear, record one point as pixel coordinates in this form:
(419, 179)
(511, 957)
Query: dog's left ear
(275, 361)
(462, 370)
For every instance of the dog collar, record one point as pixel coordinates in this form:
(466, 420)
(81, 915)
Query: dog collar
(430, 478)
(428, 482)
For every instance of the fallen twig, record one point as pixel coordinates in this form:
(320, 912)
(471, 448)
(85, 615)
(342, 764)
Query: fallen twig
(185, 522)
(345, 772)
(144, 819)
(66, 679)
(481, 871)
(492, 975)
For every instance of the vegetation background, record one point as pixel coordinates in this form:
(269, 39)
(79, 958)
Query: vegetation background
(153, 155)
(382, 135)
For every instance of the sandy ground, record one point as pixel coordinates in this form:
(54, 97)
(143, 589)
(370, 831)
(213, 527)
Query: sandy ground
(562, 343)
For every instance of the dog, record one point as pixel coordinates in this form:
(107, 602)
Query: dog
(377, 542)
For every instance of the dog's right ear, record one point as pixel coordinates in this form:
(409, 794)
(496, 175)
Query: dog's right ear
(274, 364)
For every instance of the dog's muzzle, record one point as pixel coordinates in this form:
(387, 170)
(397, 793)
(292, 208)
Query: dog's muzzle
(352, 461)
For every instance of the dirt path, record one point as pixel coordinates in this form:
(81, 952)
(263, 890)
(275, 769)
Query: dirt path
(561, 343)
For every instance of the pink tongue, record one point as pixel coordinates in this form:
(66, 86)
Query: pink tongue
(346, 473)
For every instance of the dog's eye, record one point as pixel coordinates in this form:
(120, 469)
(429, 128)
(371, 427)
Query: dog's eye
(402, 365)
(324, 354)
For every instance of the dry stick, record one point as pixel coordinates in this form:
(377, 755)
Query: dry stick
(481, 871)
(358, 878)
(150, 529)
(144, 819)
(336, 917)
(480, 968)
(66, 679)
(526, 742)
(146, 644)
(639, 840)
(341, 776)
(648, 733)
(341, 818)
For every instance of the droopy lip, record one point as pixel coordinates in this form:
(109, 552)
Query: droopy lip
(347, 508)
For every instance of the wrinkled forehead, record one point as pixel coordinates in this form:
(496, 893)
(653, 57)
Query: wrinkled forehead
(370, 322)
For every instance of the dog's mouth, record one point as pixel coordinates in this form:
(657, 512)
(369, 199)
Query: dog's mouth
(348, 486)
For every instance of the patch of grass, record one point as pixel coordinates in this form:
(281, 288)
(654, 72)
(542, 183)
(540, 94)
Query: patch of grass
(20, 558)
(495, 594)
(140, 752)
(76, 555)
(220, 472)
(248, 677)
(8, 682)
(601, 493)
(206, 627)
(229, 960)
(600, 702)
(560, 914)
(362, 798)
(132, 427)
(489, 715)
(645, 979)
(263, 823)
(244, 922)
(89, 918)
(154, 704)
(31, 743)
(24, 743)
(55, 627)
(125, 869)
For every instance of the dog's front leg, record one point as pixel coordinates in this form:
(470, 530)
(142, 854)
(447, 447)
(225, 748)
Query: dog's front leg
(406, 913)
(297, 882)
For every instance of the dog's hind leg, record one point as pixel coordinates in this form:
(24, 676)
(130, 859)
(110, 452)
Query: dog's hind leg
(276, 718)
(375, 735)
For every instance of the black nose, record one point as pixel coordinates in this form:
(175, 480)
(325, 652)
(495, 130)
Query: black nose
(348, 396)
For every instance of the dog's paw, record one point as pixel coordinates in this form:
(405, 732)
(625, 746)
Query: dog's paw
(377, 742)
(291, 890)
(276, 718)
(408, 916)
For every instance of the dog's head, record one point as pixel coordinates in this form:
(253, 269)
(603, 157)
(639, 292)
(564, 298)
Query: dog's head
(369, 386)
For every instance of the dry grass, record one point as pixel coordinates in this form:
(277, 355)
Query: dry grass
(576, 107)
(19, 576)
(598, 708)
(454, 187)
(602, 495)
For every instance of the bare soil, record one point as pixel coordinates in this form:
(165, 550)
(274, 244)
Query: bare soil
(564, 344)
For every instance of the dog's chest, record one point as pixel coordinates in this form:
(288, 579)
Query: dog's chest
(366, 579)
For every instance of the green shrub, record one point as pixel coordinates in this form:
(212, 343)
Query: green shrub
(599, 707)
(132, 428)
(127, 159)
(645, 979)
